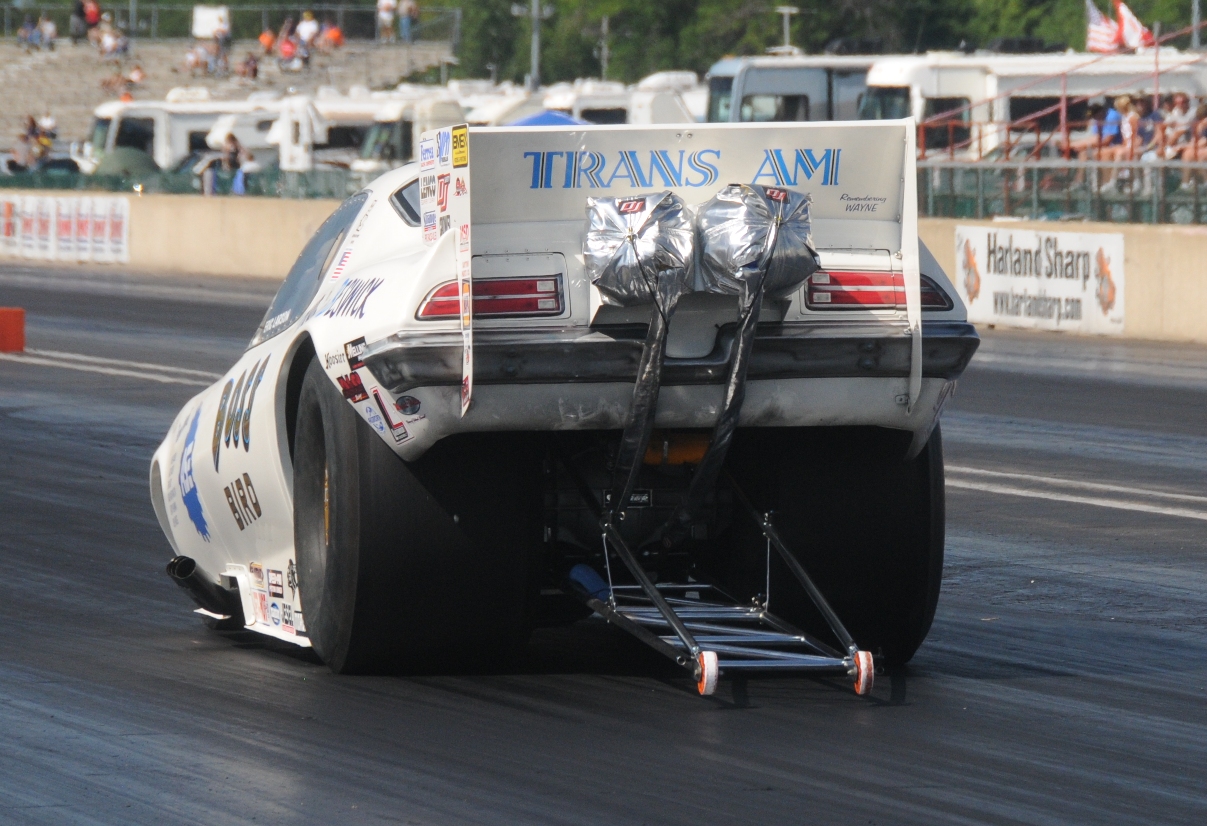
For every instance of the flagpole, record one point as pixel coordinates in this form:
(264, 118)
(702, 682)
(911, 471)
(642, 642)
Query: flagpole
(1194, 21)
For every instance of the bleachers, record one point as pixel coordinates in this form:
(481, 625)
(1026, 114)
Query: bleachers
(67, 81)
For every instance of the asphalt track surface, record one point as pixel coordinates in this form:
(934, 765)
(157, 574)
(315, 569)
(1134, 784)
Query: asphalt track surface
(1064, 681)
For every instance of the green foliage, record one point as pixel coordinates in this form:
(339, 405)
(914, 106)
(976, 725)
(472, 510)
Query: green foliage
(648, 36)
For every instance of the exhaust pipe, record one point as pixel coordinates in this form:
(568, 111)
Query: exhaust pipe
(208, 594)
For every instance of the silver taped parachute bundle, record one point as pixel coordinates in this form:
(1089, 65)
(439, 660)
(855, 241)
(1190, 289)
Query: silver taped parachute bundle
(638, 247)
(640, 250)
(755, 241)
(748, 232)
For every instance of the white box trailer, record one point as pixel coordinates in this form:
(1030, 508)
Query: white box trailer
(458, 421)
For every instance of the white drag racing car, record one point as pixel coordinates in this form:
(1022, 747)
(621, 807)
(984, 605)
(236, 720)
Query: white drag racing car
(686, 379)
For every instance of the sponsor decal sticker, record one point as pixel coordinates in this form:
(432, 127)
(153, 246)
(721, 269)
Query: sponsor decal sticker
(427, 154)
(409, 405)
(442, 182)
(287, 618)
(276, 584)
(460, 142)
(241, 497)
(354, 350)
(261, 608)
(444, 147)
(773, 194)
(352, 388)
(274, 613)
(463, 239)
(630, 206)
(291, 579)
(461, 189)
(332, 359)
(188, 484)
(430, 232)
(397, 428)
(257, 576)
(374, 420)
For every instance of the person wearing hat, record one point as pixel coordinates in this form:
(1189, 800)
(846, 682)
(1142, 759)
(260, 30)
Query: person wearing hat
(308, 29)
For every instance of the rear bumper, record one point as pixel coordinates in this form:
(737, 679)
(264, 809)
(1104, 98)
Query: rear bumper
(601, 355)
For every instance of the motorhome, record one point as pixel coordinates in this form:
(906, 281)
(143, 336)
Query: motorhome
(396, 128)
(609, 102)
(170, 131)
(986, 93)
(789, 88)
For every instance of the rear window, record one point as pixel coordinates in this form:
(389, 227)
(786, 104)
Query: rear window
(406, 203)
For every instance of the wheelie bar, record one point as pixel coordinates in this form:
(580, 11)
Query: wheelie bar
(703, 630)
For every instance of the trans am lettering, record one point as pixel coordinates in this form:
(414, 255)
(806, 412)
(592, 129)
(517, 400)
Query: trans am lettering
(777, 170)
(637, 170)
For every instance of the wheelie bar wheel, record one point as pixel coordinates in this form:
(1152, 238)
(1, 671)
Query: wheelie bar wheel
(863, 671)
(706, 684)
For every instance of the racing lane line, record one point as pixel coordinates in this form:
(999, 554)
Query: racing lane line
(1073, 483)
(1117, 504)
(163, 368)
(108, 371)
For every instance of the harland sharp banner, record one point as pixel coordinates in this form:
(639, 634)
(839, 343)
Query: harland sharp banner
(1045, 280)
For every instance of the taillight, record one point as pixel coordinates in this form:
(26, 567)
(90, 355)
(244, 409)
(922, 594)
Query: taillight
(498, 298)
(836, 290)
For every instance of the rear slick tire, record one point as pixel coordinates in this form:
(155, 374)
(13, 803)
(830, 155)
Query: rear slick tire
(867, 525)
(408, 566)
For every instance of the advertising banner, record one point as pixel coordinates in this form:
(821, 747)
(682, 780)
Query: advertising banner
(444, 203)
(1040, 279)
(66, 228)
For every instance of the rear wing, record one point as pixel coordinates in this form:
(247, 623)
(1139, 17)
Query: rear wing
(861, 176)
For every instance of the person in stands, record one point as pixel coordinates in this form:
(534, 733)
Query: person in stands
(249, 68)
(92, 21)
(1196, 147)
(78, 28)
(385, 20)
(28, 35)
(268, 41)
(49, 32)
(408, 16)
(330, 37)
(308, 29)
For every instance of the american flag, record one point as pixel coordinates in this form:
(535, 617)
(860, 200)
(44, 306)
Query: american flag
(1132, 33)
(1102, 33)
(339, 268)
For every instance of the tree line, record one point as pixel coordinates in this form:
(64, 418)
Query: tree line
(646, 36)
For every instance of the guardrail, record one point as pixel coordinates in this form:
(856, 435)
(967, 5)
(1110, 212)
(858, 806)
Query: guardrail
(1158, 192)
(156, 21)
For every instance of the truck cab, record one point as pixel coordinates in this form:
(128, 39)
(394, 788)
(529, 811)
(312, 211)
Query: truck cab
(780, 89)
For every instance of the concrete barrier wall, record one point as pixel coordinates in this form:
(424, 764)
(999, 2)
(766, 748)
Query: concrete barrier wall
(259, 237)
(221, 236)
(1165, 267)
(1165, 271)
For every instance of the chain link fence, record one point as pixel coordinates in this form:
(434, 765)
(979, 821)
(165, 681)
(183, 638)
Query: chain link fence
(1158, 192)
(156, 21)
(320, 183)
